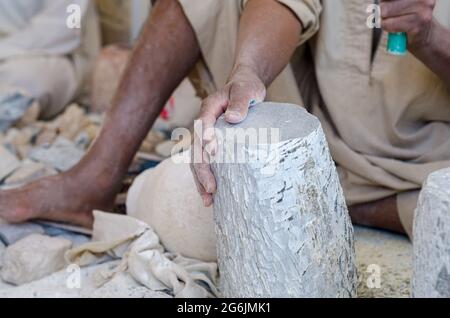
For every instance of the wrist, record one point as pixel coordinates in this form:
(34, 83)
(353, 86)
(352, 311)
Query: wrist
(246, 70)
(431, 43)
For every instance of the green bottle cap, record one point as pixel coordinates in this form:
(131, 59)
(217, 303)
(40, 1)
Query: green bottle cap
(397, 43)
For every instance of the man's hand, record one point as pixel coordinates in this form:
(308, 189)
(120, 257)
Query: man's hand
(414, 17)
(243, 90)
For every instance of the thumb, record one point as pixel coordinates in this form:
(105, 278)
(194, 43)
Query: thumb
(242, 96)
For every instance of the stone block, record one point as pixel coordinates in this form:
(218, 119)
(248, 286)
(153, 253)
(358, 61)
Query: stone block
(11, 233)
(431, 234)
(282, 225)
(33, 258)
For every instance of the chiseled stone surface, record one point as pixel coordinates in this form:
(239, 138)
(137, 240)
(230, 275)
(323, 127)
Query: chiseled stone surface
(32, 258)
(431, 262)
(282, 223)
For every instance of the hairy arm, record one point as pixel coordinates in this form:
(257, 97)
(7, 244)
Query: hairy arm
(268, 35)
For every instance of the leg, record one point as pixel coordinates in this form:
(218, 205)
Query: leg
(381, 214)
(162, 58)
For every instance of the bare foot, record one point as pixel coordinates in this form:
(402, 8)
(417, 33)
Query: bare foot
(69, 197)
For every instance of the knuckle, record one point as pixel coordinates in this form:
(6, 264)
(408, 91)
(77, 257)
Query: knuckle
(425, 16)
(384, 9)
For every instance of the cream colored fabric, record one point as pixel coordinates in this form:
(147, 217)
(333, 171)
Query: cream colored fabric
(38, 50)
(137, 245)
(387, 123)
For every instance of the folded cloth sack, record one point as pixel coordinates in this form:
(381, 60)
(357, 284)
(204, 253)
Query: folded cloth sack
(137, 245)
(13, 105)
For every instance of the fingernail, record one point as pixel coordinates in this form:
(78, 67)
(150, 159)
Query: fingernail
(208, 188)
(233, 117)
(206, 201)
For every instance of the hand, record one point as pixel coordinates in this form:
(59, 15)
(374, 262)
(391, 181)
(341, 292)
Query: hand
(244, 89)
(414, 17)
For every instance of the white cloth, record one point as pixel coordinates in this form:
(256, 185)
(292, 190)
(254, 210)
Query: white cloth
(133, 241)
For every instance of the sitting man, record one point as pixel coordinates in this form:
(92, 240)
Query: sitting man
(387, 119)
(45, 53)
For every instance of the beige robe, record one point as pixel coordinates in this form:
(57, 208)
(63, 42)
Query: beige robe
(41, 55)
(387, 122)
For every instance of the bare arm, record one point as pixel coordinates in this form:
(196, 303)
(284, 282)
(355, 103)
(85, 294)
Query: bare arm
(268, 35)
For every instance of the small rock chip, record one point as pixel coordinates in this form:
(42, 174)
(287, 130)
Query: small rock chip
(30, 116)
(62, 155)
(153, 139)
(46, 136)
(72, 121)
(29, 171)
(33, 258)
(11, 233)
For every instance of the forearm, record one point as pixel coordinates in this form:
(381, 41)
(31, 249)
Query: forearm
(268, 36)
(436, 55)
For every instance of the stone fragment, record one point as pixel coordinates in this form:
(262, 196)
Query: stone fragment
(282, 225)
(71, 122)
(13, 105)
(46, 136)
(11, 233)
(431, 233)
(153, 139)
(30, 116)
(19, 137)
(82, 140)
(33, 258)
(92, 131)
(29, 171)
(19, 140)
(8, 163)
(61, 155)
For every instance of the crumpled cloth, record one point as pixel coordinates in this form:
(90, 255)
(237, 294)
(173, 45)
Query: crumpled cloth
(14, 103)
(137, 245)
